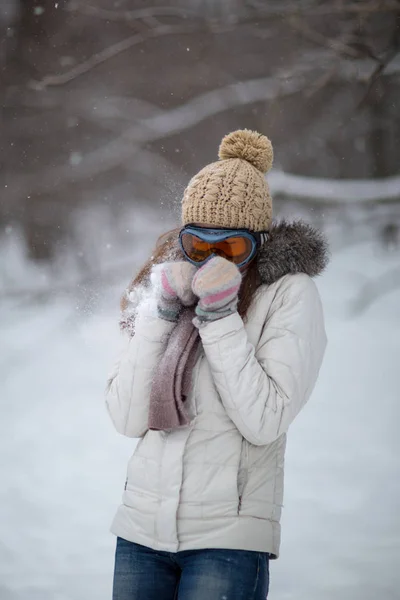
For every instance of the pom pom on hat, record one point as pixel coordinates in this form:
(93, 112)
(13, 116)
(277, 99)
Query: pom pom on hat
(248, 145)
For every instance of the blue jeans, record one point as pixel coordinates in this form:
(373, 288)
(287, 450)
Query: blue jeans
(145, 574)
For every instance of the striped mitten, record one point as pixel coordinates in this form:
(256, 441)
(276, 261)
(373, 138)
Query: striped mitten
(217, 285)
(173, 283)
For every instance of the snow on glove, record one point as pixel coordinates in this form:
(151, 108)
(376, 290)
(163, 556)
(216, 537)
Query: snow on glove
(217, 285)
(173, 283)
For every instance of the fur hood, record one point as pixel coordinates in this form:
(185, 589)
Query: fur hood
(292, 248)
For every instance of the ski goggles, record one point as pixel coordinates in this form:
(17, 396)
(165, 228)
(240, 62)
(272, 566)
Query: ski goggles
(239, 246)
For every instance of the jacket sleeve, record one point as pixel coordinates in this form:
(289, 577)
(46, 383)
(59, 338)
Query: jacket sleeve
(129, 386)
(264, 388)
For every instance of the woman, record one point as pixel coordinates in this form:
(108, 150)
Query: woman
(226, 338)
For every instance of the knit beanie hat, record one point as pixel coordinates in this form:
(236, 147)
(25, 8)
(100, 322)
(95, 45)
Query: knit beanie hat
(233, 191)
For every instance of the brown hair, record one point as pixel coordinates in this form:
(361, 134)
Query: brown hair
(168, 249)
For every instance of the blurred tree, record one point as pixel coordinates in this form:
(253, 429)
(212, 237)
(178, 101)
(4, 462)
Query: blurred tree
(107, 102)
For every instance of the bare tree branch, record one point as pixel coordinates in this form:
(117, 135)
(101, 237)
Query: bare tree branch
(391, 53)
(353, 49)
(357, 8)
(378, 72)
(156, 127)
(171, 122)
(107, 54)
(321, 82)
(323, 8)
(129, 15)
(337, 45)
(346, 46)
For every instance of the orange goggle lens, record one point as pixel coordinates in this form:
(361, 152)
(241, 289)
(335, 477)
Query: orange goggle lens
(236, 248)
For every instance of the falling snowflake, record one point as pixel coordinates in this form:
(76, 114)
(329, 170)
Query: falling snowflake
(75, 158)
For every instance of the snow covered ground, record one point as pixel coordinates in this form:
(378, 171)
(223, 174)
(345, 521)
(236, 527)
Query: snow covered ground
(63, 466)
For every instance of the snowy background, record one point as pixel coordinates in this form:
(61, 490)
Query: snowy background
(108, 109)
(63, 466)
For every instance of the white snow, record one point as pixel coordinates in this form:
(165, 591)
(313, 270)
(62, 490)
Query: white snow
(63, 465)
(335, 190)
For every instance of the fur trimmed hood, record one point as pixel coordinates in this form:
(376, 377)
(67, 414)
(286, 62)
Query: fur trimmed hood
(292, 248)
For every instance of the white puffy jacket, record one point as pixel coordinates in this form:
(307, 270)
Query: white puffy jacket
(218, 483)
